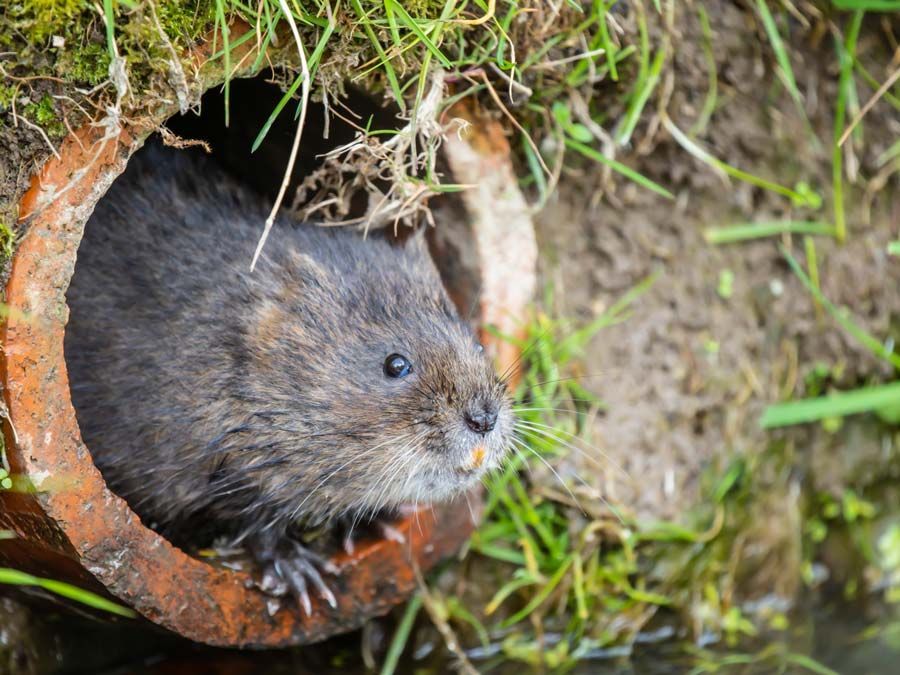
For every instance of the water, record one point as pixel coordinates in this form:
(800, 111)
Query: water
(824, 637)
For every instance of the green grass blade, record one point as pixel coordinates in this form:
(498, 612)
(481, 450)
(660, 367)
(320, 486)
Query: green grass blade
(578, 588)
(842, 316)
(535, 170)
(392, 23)
(222, 27)
(578, 338)
(110, 17)
(712, 89)
(623, 131)
(609, 47)
(845, 57)
(245, 36)
(890, 155)
(667, 532)
(544, 593)
(618, 167)
(401, 635)
(693, 148)
(865, 399)
(456, 610)
(785, 71)
(875, 84)
(382, 55)
(747, 231)
(636, 106)
(507, 590)
(810, 664)
(868, 5)
(500, 553)
(314, 59)
(18, 578)
(812, 265)
(413, 25)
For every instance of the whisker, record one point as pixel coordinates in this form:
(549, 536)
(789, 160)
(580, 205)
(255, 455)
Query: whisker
(364, 511)
(599, 495)
(570, 411)
(404, 456)
(566, 379)
(548, 432)
(471, 510)
(504, 377)
(296, 511)
(418, 521)
(555, 473)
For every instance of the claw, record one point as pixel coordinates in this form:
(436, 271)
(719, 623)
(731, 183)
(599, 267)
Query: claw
(291, 567)
(304, 561)
(297, 582)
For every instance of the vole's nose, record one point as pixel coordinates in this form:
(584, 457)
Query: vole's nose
(481, 420)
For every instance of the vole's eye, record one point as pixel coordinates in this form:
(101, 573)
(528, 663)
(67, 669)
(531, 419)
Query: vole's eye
(479, 347)
(397, 365)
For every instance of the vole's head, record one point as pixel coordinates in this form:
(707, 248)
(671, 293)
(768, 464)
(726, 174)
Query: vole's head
(379, 394)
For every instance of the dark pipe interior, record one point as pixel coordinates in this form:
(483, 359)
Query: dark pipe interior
(251, 102)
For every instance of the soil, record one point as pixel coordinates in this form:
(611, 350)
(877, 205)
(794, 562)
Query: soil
(687, 376)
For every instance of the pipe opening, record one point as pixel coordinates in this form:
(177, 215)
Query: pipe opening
(148, 247)
(70, 526)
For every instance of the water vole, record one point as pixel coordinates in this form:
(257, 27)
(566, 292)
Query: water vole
(334, 381)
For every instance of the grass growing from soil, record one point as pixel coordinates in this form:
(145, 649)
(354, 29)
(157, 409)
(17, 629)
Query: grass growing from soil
(472, 40)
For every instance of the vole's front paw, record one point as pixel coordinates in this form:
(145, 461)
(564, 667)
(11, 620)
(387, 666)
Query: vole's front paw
(291, 567)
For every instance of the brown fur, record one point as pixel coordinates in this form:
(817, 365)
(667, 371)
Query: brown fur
(249, 402)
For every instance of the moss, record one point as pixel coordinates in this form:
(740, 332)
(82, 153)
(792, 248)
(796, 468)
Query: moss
(7, 243)
(43, 113)
(81, 55)
(89, 64)
(42, 19)
(185, 21)
(7, 92)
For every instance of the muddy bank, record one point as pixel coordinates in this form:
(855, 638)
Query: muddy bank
(727, 330)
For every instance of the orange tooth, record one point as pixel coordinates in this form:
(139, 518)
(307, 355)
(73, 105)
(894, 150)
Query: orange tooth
(478, 456)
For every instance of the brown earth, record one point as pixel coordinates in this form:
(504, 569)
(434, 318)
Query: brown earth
(687, 376)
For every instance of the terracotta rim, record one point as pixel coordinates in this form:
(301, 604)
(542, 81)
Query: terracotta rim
(73, 527)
